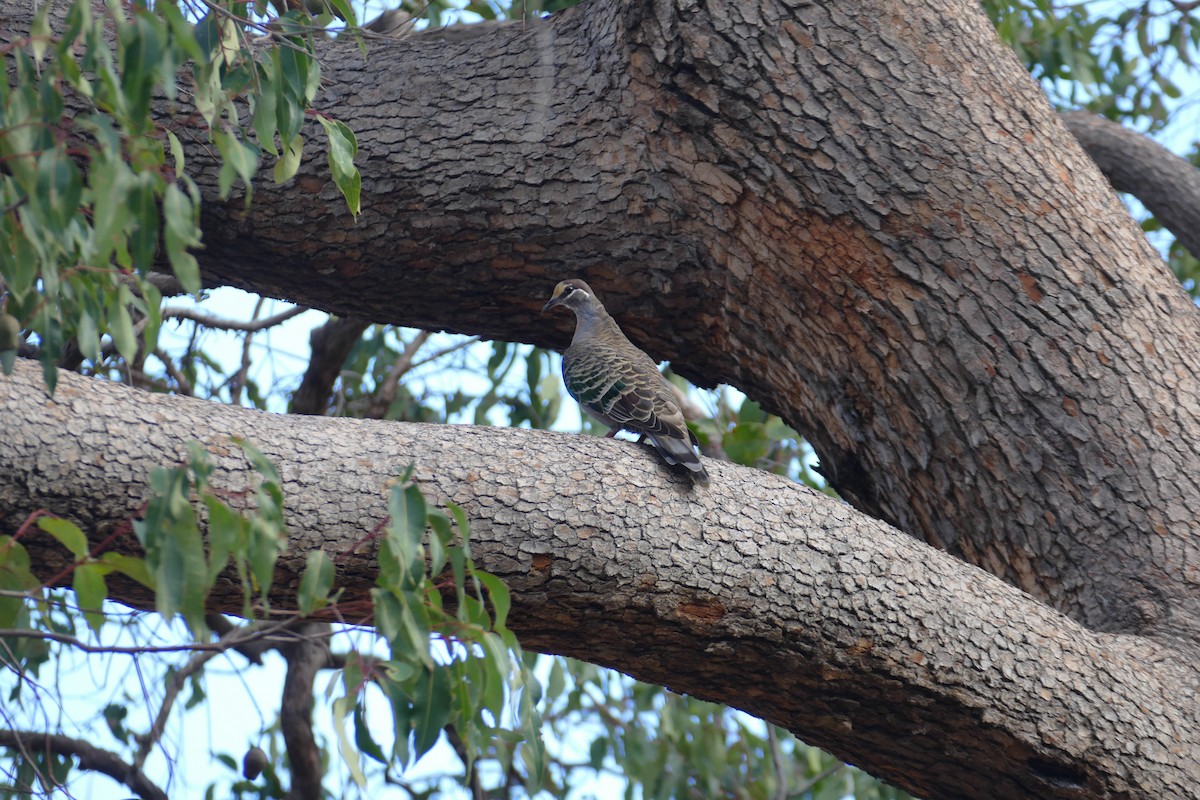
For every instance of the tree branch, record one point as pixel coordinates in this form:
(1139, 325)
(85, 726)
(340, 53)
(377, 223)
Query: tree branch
(331, 344)
(787, 604)
(222, 323)
(306, 655)
(179, 679)
(90, 758)
(1167, 185)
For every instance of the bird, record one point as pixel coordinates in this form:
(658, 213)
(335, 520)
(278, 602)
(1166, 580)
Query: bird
(619, 385)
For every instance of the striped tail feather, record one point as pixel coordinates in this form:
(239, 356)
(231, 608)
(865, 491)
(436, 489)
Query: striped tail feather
(679, 451)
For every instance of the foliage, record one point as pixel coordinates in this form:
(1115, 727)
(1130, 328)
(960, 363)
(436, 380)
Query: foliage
(88, 192)
(451, 662)
(1123, 60)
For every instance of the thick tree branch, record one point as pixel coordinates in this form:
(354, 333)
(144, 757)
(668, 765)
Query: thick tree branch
(1167, 185)
(925, 671)
(90, 757)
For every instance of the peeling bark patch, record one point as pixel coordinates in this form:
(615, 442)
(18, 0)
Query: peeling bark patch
(707, 611)
(1030, 285)
(860, 647)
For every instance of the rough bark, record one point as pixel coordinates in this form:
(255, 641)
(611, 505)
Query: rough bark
(865, 216)
(921, 669)
(1167, 185)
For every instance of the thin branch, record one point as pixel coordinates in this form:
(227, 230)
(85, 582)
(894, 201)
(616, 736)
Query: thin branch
(445, 351)
(216, 648)
(183, 385)
(224, 323)
(90, 758)
(243, 373)
(147, 740)
(386, 394)
(781, 787)
(828, 772)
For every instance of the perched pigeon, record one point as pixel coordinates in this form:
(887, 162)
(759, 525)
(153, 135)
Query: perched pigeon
(618, 384)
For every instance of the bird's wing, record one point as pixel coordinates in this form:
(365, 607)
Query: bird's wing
(623, 386)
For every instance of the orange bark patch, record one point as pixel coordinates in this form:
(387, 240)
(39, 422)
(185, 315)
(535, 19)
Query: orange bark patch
(702, 610)
(860, 647)
(1029, 283)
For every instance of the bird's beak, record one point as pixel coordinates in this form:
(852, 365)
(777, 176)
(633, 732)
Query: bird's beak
(551, 303)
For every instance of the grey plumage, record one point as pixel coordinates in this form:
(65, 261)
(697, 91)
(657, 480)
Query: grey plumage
(618, 384)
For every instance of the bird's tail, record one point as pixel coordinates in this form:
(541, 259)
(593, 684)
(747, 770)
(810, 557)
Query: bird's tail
(679, 451)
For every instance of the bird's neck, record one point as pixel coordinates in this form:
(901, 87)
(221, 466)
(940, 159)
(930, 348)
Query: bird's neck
(591, 321)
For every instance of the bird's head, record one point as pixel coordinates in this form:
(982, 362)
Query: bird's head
(574, 294)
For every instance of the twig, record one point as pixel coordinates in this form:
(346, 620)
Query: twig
(781, 787)
(90, 758)
(184, 385)
(386, 394)
(445, 351)
(239, 382)
(147, 740)
(828, 772)
(216, 648)
(223, 323)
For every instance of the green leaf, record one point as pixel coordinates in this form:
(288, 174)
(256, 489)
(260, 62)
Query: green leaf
(289, 162)
(264, 119)
(343, 707)
(499, 595)
(431, 709)
(121, 324)
(316, 583)
(746, 443)
(40, 35)
(293, 65)
(90, 592)
(129, 566)
(15, 576)
(207, 34)
(363, 739)
(55, 200)
(227, 533)
(182, 232)
(67, 533)
(87, 335)
(343, 147)
(143, 206)
(175, 555)
(239, 160)
(176, 154)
